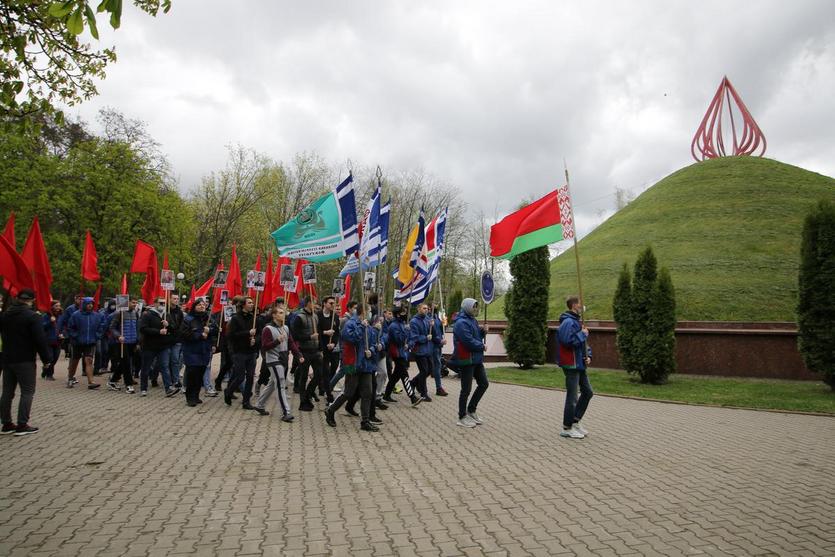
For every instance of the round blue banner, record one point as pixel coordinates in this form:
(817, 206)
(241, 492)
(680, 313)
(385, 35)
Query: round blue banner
(487, 287)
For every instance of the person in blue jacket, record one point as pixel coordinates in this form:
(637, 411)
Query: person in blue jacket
(468, 353)
(63, 322)
(198, 336)
(360, 364)
(397, 345)
(85, 329)
(573, 356)
(420, 347)
(53, 340)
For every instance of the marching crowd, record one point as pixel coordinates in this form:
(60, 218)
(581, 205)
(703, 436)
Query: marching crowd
(371, 350)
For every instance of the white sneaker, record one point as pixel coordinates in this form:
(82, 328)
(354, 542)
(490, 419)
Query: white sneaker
(571, 433)
(474, 417)
(113, 386)
(129, 390)
(580, 429)
(466, 421)
(143, 393)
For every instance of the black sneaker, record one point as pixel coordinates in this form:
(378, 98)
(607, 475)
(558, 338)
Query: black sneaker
(93, 386)
(287, 418)
(227, 398)
(154, 383)
(388, 398)
(368, 426)
(426, 398)
(247, 406)
(172, 390)
(306, 406)
(351, 412)
(375, 420)
(329, 419)
(380, 406)
(7, 429)
(24, 429)
(416, 400)
(262, 411)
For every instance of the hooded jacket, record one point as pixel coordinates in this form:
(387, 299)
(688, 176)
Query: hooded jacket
(23, 336)
(467, 337)
(572, 351)
(437, 332)
(50, 328)
(150, 325)
(419, 343)
(354, 347)
(86, 326)
(397, 339)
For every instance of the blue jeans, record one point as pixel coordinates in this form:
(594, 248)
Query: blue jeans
(467, 373)
(436, 365)
(162, 357)
(207, 377)
(576, 379)
(175, 362)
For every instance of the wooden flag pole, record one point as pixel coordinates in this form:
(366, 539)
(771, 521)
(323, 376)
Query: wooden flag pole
(255, 309)
(576, 251)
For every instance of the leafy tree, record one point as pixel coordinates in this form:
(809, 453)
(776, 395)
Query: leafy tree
(455, 301)
(527, 308)
(644, 309)
(42, 60)
(816, 280)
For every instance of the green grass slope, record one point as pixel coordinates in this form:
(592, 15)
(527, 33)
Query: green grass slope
(727, 229)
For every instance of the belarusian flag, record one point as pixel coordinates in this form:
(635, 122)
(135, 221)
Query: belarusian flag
(543, 222)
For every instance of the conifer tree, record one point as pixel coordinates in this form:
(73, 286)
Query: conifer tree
(527, 308)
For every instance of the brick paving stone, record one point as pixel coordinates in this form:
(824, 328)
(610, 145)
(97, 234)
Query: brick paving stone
(114, 474)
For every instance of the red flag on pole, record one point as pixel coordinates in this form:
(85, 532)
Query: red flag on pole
(97, 298)
(201, 292)
(124, 283)
(89, 260)
(216, 307)
(267, 294)
(145, 261)
(34, 254)
(14, 268)
(8, 233)
(343, 302)
(233, 280)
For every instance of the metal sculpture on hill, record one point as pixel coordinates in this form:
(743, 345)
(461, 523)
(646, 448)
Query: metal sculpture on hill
(708, 143)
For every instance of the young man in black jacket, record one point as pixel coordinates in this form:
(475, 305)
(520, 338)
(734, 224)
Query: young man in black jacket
(328, 345)
(243, 342)
(305, 331)
(23, 337)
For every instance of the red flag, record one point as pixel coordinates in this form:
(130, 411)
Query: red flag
(343, 303)
(13, 267)
(8, 233)
(124, 283)
(233, 280)
(145, 261)
(34, 254)
(89, 260)
(252, 292)
(97, 298)
(267, 294)
(201, 292)
(302, 290)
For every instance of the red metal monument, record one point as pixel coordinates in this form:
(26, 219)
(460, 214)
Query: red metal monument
(709, 141)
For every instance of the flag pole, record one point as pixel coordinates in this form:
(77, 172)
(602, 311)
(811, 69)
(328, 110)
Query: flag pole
(576, 251)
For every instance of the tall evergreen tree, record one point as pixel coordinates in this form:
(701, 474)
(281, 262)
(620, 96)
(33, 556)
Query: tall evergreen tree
(644, 310)
(527, 308)
(816, 304)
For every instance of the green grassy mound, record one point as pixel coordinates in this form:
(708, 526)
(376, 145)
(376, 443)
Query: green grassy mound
(727, 229)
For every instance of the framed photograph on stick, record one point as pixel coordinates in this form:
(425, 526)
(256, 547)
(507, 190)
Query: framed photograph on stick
(256, 280)
(287, 275)
(224, 297)
(166, 279)
(228, 312)
(122, 301)
(292, 286)
(370, 281)
(220, 278)
(338, 287)
(309, 273)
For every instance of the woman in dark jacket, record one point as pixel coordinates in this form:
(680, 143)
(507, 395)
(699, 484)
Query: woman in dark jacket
(198, 335)
(50, 329)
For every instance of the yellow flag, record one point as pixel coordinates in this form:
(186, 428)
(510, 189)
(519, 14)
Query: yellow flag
(406, 271)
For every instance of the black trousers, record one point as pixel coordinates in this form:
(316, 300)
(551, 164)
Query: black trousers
(401, 371)
(243, 373)
(193, 381)
(330, 363)
(312, 359)
(121, 358)
(352, 401)
(14, 374)
(225, 365)
(356, 384)
(424, 370)
(49, 369)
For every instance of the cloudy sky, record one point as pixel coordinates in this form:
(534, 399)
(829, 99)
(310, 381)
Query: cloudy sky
(487, 96)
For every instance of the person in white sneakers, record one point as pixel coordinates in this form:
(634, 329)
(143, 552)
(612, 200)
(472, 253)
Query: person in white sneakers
(573, 356)
(468, 354)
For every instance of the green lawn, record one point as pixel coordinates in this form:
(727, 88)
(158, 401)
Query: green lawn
(728, 230)
(804, 396)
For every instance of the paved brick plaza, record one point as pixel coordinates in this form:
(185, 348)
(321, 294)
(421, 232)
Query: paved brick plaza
(115, 474)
